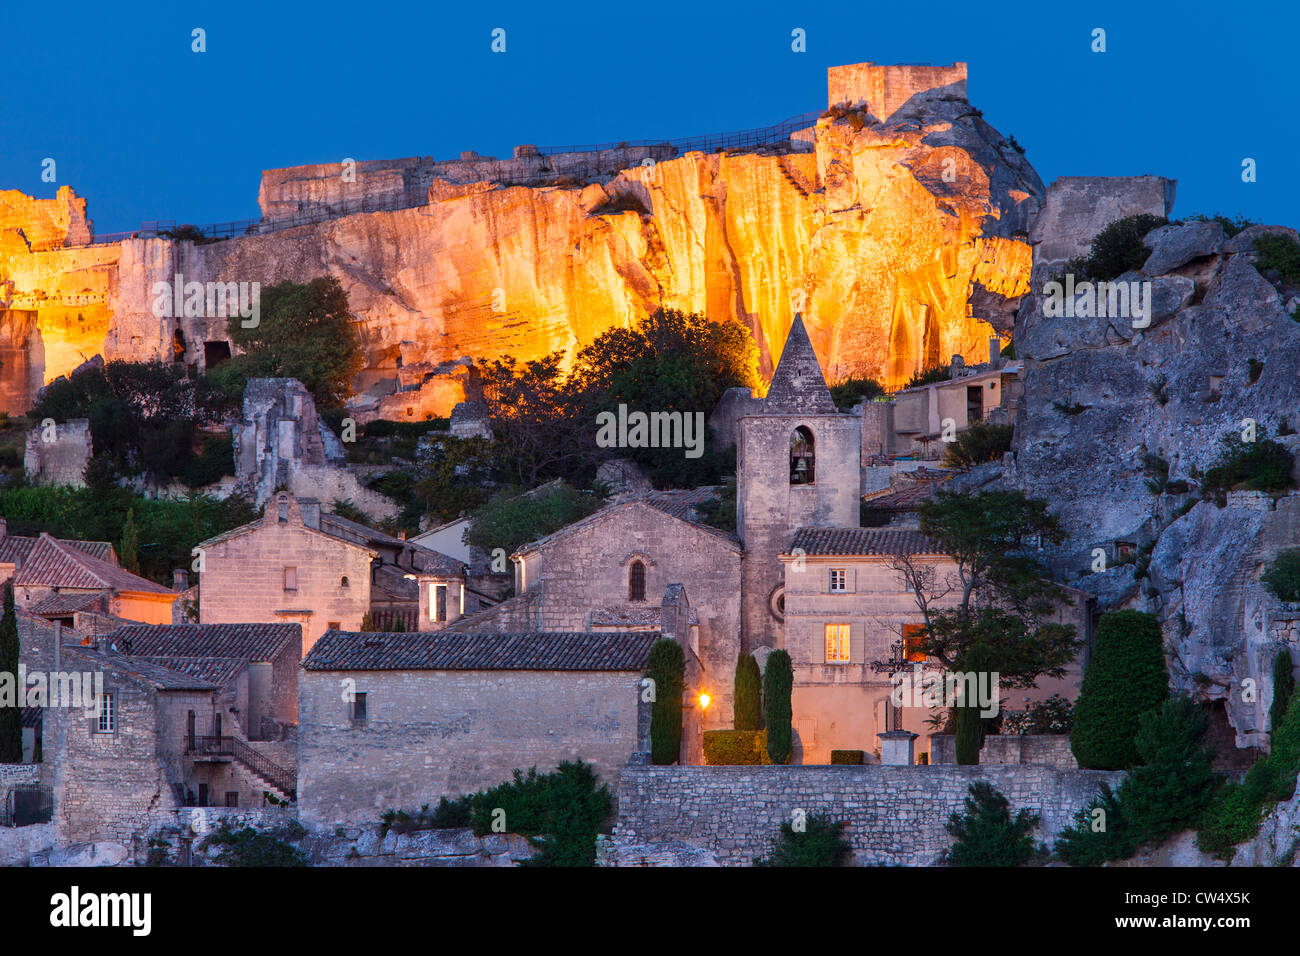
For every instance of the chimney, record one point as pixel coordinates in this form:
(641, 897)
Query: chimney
(995, 352)
(180, 579)
(310, 509)
(4, 527)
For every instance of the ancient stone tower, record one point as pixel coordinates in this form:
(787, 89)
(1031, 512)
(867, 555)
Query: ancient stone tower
(797, 465)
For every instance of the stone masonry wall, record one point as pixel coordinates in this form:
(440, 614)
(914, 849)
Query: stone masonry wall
(895, 815)
(435, 733)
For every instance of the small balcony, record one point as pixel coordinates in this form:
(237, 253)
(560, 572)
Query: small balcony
(207, 748)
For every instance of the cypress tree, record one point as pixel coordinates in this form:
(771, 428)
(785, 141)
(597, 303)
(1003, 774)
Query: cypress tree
(668, 671)
(778, 683)
(1283, 688)
(748, 712)
(1126, 678)
(968, 724)
(130, 556)
(11, 718)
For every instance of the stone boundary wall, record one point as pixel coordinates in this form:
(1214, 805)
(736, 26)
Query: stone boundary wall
(895, 815)
(18, 844)
(1052, 750)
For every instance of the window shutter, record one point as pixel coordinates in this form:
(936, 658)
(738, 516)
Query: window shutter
(829, 580)
(818, 655)
(857, 642)
(851, 580)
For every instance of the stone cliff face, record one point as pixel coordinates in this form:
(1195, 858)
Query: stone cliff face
(1101, 396)
(901, 243)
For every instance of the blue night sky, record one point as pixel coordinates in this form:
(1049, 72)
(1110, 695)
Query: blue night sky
(146, 129)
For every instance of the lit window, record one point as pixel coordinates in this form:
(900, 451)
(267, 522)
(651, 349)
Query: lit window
(107, 715)
(636, 582)
(837, 643)
(290, 579)
(839, 580)
(913, 634)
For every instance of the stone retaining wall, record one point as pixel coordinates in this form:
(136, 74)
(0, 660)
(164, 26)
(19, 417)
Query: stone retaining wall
(895, 815)
(1052, 750)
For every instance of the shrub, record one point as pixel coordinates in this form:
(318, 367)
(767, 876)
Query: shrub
(981, 442)
(668, 671)
(1283, 688)
(561, 812)
(847, 757)
(1098, 833)
(1052, 716)
(720, 512)
(249, 847)
(1261, 465)
(929, 376)
(512, 520)
(778, 682)
(1280, 253)
(748, 707)
(986, 834)
(821, 843)
(1125, 678)
(726, 748)
(854, 389)
(1283, 575)
(1118, 248)
(1230, 226)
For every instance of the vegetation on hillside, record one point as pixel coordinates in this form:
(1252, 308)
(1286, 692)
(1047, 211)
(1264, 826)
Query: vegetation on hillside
(986, 833)
(511, 519)
(1116, 249)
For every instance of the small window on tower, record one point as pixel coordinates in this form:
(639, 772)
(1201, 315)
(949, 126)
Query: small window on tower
(802, 458)
(636, 582)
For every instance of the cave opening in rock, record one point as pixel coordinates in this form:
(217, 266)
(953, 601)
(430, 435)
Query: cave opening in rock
(214, 353)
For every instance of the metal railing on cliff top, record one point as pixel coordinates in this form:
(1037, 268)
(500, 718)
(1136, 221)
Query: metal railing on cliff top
(713, 142)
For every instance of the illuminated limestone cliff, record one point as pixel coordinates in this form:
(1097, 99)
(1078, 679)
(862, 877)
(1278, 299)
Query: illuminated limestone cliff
(899, 229)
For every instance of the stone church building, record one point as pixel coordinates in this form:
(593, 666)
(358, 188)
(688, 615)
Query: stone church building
(799, 573)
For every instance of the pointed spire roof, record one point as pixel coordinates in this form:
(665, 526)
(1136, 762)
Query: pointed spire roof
(798, 385)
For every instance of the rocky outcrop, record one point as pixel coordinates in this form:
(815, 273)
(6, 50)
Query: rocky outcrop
(1122, 416)
(884, 235)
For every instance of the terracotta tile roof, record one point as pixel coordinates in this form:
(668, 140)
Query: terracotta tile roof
(860, 541)
(214, 670)
(449, 650)
(15, 548)
(160, 677)
(55, 564)
(247, 642)
(905, 500)
(61, 605)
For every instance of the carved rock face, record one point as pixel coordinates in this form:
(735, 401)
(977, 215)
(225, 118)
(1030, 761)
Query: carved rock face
(880, 236)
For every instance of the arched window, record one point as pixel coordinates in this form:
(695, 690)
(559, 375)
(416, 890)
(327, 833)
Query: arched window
(636, 582)
(801, 456)
(343, 581)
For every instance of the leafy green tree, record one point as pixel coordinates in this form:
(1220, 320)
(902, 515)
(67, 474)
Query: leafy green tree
(748, 694)
(778, 684)
(1125, 679)
(511, 519)
(1168, 792)
(1283, 575)
(986, 834)
(979, 443)
(668, 671)
(1283, 688)
(305, 331)
(11, 722)
(820, 842)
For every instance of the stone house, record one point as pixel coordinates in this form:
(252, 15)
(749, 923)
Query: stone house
(56, 579)
(845, 606)
(257, 664)
(141, 751)
(395, 721)
(15, 549)
(607, 570)
(321, 571)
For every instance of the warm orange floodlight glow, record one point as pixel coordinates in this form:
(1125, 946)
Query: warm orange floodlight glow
(705, 700)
